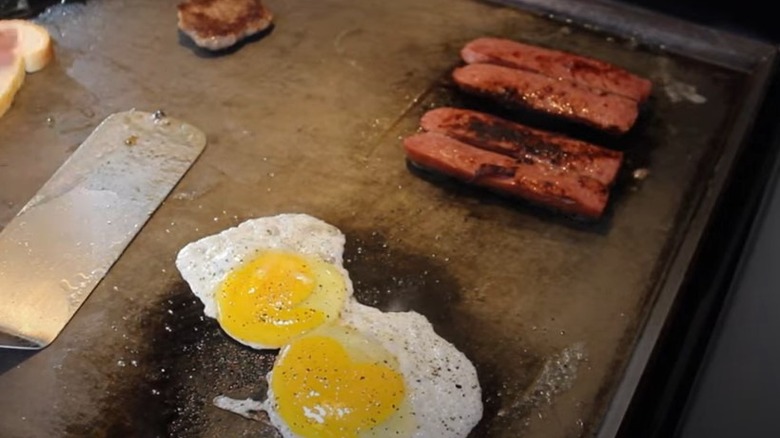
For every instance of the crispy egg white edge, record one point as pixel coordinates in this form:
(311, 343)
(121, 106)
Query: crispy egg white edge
(205, 263)
(435, 400)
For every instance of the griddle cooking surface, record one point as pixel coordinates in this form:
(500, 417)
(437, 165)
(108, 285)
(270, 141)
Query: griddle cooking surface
(309, 119)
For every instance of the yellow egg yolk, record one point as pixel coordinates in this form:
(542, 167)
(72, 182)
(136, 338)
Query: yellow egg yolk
(278, 296)
(338, 387)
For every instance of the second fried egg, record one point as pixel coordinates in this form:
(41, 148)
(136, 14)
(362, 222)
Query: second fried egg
(269, 280)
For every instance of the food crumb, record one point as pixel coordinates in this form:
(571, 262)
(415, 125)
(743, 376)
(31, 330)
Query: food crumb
(641, 174)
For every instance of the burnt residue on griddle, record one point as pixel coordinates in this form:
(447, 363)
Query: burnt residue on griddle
(168, 388)
(397, 281)
(184, 360)
(392, 279)
(640, 143)
(204, 362)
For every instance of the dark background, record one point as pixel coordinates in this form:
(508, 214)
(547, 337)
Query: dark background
(751, 18)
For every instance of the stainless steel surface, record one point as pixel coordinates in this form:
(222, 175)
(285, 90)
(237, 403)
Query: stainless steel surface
(61, 244)
(308, 119)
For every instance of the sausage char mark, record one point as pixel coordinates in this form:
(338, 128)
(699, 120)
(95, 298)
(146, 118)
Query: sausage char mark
(524, 143)
(539, 183)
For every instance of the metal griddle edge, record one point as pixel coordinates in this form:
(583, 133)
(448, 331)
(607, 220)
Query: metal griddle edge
(667, 392)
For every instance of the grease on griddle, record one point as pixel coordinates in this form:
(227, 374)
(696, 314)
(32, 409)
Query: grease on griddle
(520, 402)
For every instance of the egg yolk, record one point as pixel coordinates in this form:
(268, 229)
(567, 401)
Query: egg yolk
(278, 296)
(327, 387)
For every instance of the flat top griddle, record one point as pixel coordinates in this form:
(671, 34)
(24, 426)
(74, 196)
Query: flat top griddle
(558, 315)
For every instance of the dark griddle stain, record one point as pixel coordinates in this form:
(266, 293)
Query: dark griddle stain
(188, 361)
(640, 143)
(394, 280)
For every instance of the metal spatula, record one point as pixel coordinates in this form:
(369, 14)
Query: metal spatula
(62, 243)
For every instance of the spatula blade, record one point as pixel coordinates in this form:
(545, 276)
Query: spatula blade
(62, 243)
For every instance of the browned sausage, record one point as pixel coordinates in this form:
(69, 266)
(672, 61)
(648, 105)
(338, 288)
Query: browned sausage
(530, 145)
(555, 64)
(562, 98)
(536, 182)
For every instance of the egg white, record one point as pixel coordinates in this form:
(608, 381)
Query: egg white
(204, 264)
(442, 386)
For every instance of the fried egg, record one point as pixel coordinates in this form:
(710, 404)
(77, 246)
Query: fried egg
(374, 374)
(269, 280)
(344, 369)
